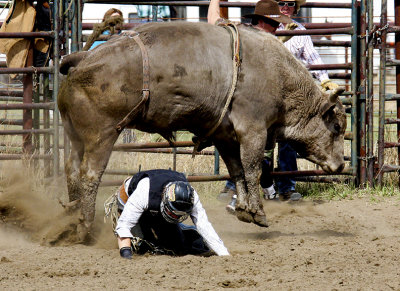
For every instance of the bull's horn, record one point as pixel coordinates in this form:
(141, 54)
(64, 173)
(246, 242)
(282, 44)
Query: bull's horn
(335, 94)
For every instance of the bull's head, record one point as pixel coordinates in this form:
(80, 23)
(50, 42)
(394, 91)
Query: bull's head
(321, 139)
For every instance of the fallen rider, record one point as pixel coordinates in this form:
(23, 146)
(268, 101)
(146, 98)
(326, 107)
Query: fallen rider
(153, 204)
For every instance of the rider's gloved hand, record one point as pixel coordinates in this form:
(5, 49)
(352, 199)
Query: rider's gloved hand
(328, 85)
(290, 26)
(126, 252)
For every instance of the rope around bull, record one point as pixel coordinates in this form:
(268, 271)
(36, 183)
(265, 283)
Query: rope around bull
(236, 61)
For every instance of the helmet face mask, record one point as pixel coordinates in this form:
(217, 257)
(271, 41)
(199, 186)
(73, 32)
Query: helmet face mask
(177, 201)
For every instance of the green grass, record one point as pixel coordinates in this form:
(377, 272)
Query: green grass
(320, 191)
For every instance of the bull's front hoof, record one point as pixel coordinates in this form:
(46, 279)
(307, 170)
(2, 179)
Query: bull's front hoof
(260, 220)
(244, 216)
(83, 233)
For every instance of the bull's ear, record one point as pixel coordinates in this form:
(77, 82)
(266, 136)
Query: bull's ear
(333, 98)
(327, 108)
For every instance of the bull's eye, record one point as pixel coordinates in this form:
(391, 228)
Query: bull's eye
(337, 127)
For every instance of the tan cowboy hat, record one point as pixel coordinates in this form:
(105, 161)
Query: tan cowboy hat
(298, 3)
(269, 9)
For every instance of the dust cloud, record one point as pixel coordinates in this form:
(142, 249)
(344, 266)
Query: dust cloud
(30, 210)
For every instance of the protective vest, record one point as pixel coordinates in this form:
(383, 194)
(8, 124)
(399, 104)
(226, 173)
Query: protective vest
(153, 225)
(158, 179)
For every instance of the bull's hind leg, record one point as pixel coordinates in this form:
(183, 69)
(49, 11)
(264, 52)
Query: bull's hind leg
(95, 158)
(72, 167)
(72, 170)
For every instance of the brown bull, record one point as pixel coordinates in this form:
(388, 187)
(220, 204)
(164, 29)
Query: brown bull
(190, 76)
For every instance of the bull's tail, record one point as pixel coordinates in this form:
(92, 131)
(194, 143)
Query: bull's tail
(71, 60)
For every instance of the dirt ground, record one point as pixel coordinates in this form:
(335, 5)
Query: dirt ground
(311, 245)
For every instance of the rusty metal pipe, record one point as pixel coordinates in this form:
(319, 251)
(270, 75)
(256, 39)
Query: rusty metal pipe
(169, 151)
(391, 145)
(24, 156)
(4, 121)
(339, 75)
(390, 168)
(45, 34)
(127, 26)
(208, 178)
(347, 66)
(27, 131)
(348, 136)
(397, 62)
(346, 30)
(370, 98)
(27, 70)
(48, 105)
(207, 3)
(12, 93)
(340, 43)
(148, 145)
(12, 99)
(392, 120)
(390, 97)
(362, 72)
(382, 83)
(27, 109)
(346, 171)
(328, 180)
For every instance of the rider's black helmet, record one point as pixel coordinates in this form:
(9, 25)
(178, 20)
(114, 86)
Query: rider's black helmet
(177, 201)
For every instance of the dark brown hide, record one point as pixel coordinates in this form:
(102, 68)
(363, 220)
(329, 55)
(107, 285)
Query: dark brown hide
(191, 73)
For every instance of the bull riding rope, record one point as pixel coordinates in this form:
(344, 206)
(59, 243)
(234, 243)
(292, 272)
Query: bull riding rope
(146, 80)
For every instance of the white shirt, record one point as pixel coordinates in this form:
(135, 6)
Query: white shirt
(302, 48)
(138, 202)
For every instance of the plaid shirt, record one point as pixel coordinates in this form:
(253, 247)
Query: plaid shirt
(146, 11)
(302, 48)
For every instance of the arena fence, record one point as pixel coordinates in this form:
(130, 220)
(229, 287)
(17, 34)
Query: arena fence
(366, 165)
(36, 99)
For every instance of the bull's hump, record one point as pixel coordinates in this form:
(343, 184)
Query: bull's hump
(172, 31)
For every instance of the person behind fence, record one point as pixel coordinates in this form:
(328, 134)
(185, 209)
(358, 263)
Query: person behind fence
(153, 204)
(302, 48)
(145, 12)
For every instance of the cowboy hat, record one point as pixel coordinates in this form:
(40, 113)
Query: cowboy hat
(269, 9)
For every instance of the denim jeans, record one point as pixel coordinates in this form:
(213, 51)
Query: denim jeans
(265, 179)
(286, 162)
(230, 185)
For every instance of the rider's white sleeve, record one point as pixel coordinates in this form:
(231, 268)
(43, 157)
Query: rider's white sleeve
(205, 228)
(134, 207)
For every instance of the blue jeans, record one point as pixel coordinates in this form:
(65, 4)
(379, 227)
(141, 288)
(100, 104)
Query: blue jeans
(230, 185)
(286, 162)
(265, 179)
